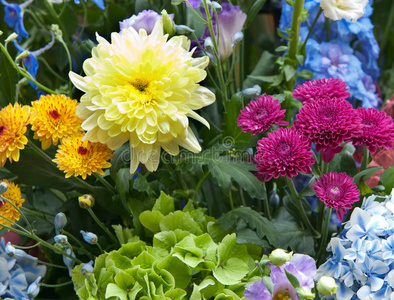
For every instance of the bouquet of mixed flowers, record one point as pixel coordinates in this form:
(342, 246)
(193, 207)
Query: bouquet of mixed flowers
(193, 149)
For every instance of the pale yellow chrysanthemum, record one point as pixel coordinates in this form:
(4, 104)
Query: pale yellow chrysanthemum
(53, 118)
(142, 88)
(77, 157)
(13, 125)
(14, 195)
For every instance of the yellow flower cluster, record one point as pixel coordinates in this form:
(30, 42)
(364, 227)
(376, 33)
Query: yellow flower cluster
(8, 213)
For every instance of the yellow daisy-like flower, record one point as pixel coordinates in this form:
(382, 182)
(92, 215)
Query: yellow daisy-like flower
(77, 157)
(142, 88)
(14, 195)
(53, 118)
(13, 125)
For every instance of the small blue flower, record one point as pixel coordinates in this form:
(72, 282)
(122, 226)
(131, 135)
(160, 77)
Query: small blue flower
(87, 268)
(30, 61)
(61, 239)
(13, 16)
(59, 222)
(99, 3)
(34, 289)
(68, 262)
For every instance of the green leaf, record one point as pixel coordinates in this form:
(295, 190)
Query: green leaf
(115, 291)
(365, 174)
(69, 19)
(305, 74)
(230, 128)
(180, 220)
(132, 249)
(120, 159)
(187, 252)
(248, 236)
(164, 204)
(280, 97)
(289, 71)
(151, 220)
(300, 59)
(262, 226)
(268, 284)
(168, 239)
(253, 11)
(293, 280)
(290, 235)
(178, 269)
(142, 185)
(265, 66)
(8, 81)
(344, 161)
(122, 181)
(144, 260)
(123, 234)
(281, 48)
(225, 169)
(387, 179)
(364, 189)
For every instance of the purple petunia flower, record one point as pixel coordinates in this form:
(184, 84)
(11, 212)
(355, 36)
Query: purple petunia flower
(302, 266)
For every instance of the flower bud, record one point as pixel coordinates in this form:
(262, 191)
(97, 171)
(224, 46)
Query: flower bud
(208, 44)
(24, 54)
(279, 257)
(326, 285)
(10, 250)
(89, 237)
(60, 221)
(238, 37)
(11, 37)
(57, 32)
(168, 24)
(216, 6)
(254, 91)
(183, 29)
(34, 288)
(61, 239)
(3, 187)
(87, 268)
(305, 292)
(86, 201)
(68, 262)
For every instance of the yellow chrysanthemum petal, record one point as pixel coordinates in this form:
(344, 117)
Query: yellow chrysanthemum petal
(143, 88)
(13, 126)
(54, 118)
(7, 211)
(80, 158)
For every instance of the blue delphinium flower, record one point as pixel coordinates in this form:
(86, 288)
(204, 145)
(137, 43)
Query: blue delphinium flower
(99, 3)
(13, 16)
(30, 61)
(362, 260)
(17, 274)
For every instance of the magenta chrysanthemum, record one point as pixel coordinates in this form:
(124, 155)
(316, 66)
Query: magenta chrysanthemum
(261, 114)
(337, 190)
(284, 152)
(315, 89)
(377, 129)
(327, 123)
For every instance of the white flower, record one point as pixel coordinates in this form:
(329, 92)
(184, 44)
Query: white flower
(343, 9)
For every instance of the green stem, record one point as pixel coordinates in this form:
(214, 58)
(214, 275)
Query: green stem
(364, 162)
(11, 222)
(326, 225)
(266, 204)
(242, 65)
(98, 246)
(48, 159)
(69, 64)
(300, 207)
(311, 29)
(24, 73)
(55, 285)
(81, 246)
(20, 212)
(324, 167)
(230, 198)
(320, 214)
(103, 227)
(51, 265)
(199, 184)
(105, 183)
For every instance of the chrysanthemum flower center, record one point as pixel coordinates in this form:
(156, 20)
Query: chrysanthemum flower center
(334, 192)
(54, 114)
(2, 127)
(281, 296)
(141, 92)
(82, 150)
(329, 113)
(261, 113)
(284, 148)
(1, 203)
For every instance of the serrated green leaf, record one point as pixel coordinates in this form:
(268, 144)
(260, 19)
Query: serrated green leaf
(180, 220)
(115, 291)
(262, 226)
(187, 252)
(365, 174)
(151, 220)
(164, 204)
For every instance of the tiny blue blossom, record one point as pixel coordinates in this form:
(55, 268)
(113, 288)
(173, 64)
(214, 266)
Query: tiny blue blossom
(13, 16)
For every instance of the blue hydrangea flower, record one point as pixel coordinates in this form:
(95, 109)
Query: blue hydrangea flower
(30, 62)
(17, 274)
(362, 260)
(13, 16)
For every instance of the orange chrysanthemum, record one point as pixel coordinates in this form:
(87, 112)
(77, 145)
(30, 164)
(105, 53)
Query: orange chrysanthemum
(77, 157)
(14, 195)
(13, 125)
(54, 118)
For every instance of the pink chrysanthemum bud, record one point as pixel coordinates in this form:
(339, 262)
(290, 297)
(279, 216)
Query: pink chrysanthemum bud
(284, 152)
(327, 123)
(377, 129)
(261, 114)
(316, 89)
(337, 190)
